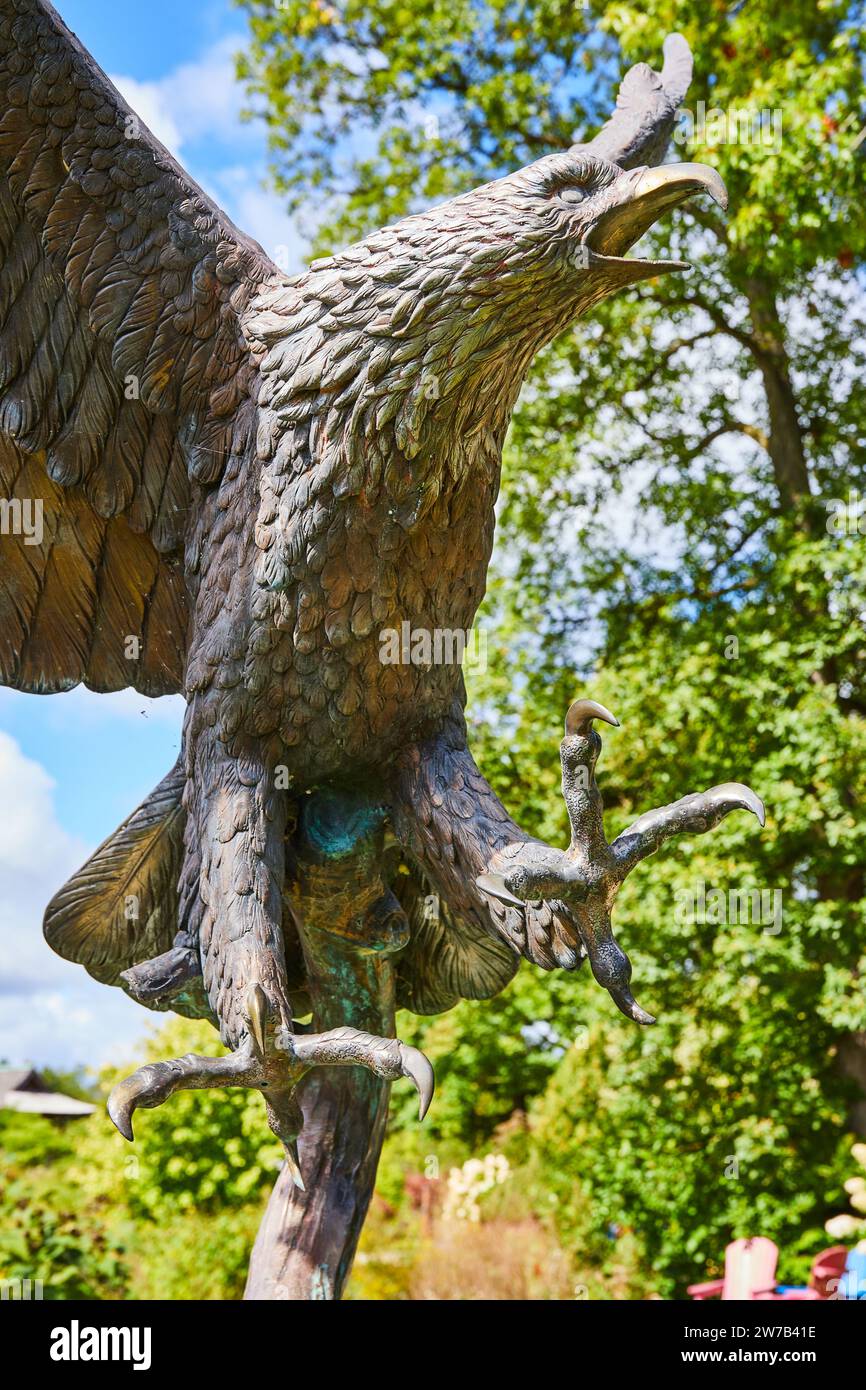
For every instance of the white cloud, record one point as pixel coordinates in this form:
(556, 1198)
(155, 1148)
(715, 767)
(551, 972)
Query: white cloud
(87, 1024)
(149, 103)
(50, 1010)
(32, 837)
(197, 100)
(261, 214)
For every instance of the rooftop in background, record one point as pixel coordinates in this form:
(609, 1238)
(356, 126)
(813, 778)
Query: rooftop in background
(26, 1091)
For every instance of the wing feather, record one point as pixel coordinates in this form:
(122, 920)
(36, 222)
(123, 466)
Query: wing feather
(123, 368)
(449, 957)
(646, 108)
(120, 908)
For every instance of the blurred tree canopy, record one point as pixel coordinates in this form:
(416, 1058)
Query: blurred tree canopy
(173, 1216)
(680, 534)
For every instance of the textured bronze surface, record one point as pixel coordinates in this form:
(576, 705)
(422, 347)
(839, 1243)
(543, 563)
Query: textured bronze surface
(588, 875)
(245, 479)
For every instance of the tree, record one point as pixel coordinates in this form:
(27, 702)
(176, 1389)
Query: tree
(174, 1216)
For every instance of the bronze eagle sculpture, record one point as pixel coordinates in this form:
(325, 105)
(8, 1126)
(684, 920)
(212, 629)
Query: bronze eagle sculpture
(245, 478)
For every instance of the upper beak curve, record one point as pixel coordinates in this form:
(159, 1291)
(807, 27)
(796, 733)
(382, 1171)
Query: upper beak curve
(645, 195)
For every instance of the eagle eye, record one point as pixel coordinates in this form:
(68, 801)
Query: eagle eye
(573, 195)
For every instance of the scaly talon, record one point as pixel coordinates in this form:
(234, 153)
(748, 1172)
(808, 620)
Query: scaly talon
(387, 1057)
(588, 875)
(152, 1084)
(277, 1076)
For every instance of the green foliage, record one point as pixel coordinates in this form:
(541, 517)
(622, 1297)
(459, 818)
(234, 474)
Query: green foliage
(196, 1255)
(49, 1247)
(172, 1216)
(45, 1234)
(31, 1138)
(489, 1060)
(435, 97)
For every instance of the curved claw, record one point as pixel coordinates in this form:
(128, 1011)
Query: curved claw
(147, 1087)
(294, 1165)
(420, 1072)
(120, 1106)
(258, 1009)
(581, 714)
(612, 968)
(494, 884)
(628, 1005)
(525, 883)
(737, 796)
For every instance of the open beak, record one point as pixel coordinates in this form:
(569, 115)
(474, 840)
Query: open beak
(645, 194)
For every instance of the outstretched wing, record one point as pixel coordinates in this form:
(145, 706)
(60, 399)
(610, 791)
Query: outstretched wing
(646, 106)
(125, 379)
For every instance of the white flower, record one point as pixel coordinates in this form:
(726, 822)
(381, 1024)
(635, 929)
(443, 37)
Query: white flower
(467, 1184)
(841, 1226)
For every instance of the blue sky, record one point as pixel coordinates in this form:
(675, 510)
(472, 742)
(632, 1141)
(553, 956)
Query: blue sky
(72, 767)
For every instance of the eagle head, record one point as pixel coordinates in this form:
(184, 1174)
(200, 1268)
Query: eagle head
(531, 252)
(442, 312)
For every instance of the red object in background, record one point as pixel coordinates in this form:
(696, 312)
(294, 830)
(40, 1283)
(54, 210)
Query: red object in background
(750, 1274)
(423, 1193)
(827, 1270)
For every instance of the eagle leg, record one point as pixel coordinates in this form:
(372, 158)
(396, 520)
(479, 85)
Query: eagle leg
(238, 821)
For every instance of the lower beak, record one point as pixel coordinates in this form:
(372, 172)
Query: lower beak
(646, 195)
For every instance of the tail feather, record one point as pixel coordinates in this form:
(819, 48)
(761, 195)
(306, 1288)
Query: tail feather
(121, 907)
(449, 957)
